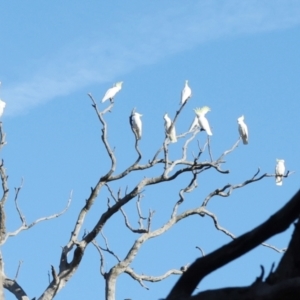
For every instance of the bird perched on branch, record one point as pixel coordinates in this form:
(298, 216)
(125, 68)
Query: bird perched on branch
(2, 106)
(279, 171)
(110, 93)
(136, 124)
(243, 130)
(203, 122)
(186, 93)
(195, 124)
(170, 132)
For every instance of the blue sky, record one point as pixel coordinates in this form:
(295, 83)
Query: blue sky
(239, 58)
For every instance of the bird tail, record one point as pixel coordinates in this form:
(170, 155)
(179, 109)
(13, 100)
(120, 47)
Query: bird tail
(278, 180)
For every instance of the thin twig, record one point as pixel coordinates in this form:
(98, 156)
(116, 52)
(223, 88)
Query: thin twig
(201, 250)
(19, 267)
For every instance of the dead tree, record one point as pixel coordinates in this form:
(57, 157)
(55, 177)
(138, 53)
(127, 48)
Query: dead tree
(167, 170)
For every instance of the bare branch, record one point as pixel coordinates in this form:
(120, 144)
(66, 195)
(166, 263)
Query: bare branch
(141, 277)
(183, 157)
(24, 226)
(200, 249)
(18, 270)
(104, 135)
(139, 230)
(15, 289)
(274, 248)
(137, 150)
(217, 224)
(151, 213)
(230, 150)
(2, 137)
(141, 218)
(4, 178)
(107, 249)
(102, 262)
(17, 190)
(209, 149)
(277, 223)
(54, 275)
(227, 189)
(5, 189)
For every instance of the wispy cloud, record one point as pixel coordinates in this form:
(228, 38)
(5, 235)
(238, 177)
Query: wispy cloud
(147, 39)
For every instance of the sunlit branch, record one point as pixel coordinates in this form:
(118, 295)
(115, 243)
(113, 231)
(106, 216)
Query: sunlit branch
(200, 151)
(5, 190)
(138, 151)
(102, 261)
(231, 235)
(141, 218)
(4, 178)
(184, 155)
(274, 248)
(15, 289)
(24, 226)
(209, 149)
(177, 115)
(166, 156)
(217, 224)
(226, 190)
(230, 150)
(104, 135)
(2, 137)
(17, 190)
(141, 277)
(154, 159)
(107, 249)
(139, 230)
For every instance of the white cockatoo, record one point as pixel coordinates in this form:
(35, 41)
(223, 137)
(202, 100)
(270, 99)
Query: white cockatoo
(136, 124)
(2, 106)
(186, 93)
(279, 171)
(243, 130)
(110, 93)
(195, 124)
(203, 123)
(170, 133)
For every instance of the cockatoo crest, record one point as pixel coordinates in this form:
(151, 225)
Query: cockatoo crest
(202, 111)
(119, 84)
(110, 93)
(203, 122)
(241, 119)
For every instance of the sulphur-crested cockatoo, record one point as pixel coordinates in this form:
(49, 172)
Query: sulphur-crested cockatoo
(243, 130)
(203, 123)
(279, 171)
(2, 105)
(170, 133)
(195, 124)
(186, 93)
(110, 94)
(136, 124)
